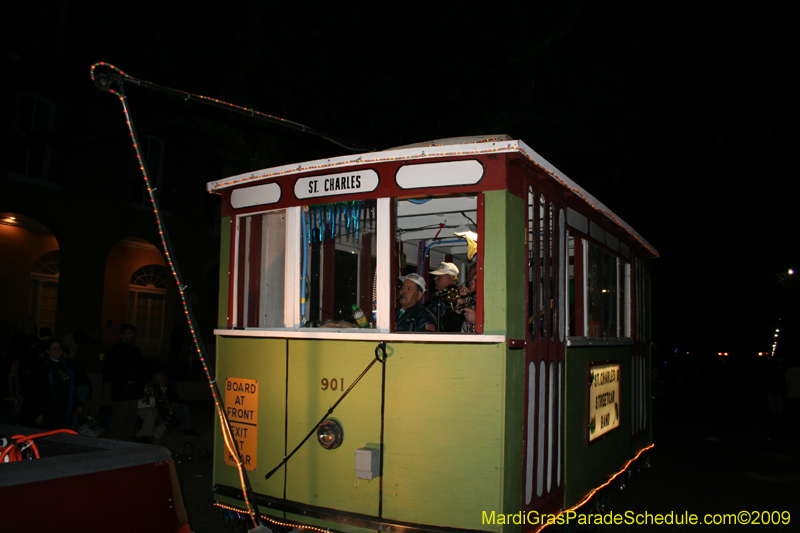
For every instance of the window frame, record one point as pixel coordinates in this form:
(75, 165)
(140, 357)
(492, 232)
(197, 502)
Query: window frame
(292, 326)
(625, 306)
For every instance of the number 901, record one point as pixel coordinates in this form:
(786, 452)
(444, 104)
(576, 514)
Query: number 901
(333, 384)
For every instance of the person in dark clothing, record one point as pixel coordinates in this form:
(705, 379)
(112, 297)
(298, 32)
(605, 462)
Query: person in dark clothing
(125, 369)
(468, 299)
(25, 347)
(89, 355)
(446, 318)
(412, 316)
(172, 411)
(51, 399)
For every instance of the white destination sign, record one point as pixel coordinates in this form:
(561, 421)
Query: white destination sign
(355, 182)
(604, 399)
(445, 174)
(269, 193)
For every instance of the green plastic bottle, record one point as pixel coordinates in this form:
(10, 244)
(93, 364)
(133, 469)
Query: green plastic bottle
(358, 314)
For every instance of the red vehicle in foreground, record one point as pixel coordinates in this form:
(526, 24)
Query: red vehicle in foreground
(80, 484)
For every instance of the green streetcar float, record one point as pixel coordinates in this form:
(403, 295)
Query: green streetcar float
(523, 412)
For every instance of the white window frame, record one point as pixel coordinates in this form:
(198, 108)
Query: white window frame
(292, 286)
(623, 308)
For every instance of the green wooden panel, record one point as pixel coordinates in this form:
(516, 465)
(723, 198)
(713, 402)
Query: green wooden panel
(265, 361)
(514, 406)
(321, 477)
(495, 275)
(588, 466)
(443, 434)
(505, 214)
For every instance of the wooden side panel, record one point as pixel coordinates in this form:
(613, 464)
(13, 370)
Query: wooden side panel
(263, 360)
(443, 434)
(318, 371)
(589, 466)
(498, 301)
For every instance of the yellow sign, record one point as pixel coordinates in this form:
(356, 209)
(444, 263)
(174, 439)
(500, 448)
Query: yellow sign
(241, 408)
(604, 399)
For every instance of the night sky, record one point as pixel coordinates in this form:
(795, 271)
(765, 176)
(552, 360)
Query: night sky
(683, 119)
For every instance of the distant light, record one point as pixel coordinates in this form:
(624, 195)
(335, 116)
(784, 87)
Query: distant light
(791, 271)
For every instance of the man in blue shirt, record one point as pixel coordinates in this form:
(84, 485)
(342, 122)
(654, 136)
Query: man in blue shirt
(412, 316)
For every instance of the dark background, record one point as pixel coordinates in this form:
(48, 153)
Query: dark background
(682, 118)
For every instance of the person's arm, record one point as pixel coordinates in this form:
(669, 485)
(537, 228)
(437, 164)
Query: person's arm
(470, 315)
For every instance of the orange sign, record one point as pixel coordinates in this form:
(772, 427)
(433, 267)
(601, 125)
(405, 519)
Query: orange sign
(241, 408)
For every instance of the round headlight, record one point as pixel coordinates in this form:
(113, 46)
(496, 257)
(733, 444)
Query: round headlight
(330, 434)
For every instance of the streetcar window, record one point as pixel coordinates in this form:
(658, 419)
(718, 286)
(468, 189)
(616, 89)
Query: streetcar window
(608, 292)
(602, 293)
(260, 251)
(433, 230)
(571, 309)
(338, 262)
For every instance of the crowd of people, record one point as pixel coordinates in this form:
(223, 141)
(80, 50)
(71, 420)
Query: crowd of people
(50, 383)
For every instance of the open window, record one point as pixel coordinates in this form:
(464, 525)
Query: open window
(338, 244)
(439, 229)
(260, 270)
(607, 294)
(599, 285)
(309, 266)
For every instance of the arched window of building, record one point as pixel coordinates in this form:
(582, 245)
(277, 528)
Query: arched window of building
(147, 303)
(44, 289)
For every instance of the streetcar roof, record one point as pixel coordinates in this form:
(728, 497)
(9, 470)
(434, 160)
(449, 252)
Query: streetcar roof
(450, 147)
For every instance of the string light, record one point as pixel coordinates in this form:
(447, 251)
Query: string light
(227, 437)
(272, 520)
(594, 491)
(189, 96)
(380, 157)
(359, 161)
